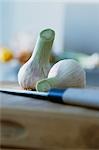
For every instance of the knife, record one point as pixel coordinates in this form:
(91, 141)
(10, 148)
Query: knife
(73, 96)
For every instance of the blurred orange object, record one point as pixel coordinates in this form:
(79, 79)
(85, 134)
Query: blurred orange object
(23, 56)
(6, 54)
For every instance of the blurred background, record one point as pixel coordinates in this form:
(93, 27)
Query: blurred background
(77, 34)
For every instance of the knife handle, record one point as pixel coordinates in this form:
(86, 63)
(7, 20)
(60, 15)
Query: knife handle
(82, 97)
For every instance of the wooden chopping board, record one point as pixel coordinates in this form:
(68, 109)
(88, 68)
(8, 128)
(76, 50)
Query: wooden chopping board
(28, 123)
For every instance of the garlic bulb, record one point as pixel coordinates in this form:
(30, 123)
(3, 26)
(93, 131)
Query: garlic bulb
(37, 67)
(65, 73)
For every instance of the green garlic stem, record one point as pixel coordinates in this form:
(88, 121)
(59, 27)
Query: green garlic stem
(43, 46)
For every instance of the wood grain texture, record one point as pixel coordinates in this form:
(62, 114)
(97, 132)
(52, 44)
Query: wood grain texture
(47, 126)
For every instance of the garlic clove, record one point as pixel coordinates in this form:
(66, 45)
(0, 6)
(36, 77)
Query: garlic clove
(65, 73)
(38, 66)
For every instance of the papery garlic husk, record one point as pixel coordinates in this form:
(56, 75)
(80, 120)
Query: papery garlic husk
(38, 66)
(65, 73)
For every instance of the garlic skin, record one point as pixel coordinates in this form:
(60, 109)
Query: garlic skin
(65, 73)
(38, 66)
(29, 75)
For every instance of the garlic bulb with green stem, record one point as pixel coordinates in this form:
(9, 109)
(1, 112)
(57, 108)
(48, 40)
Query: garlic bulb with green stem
(38, 66)
(65, 73)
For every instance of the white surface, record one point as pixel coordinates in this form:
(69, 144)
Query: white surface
(76, 22)
(23, 16)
